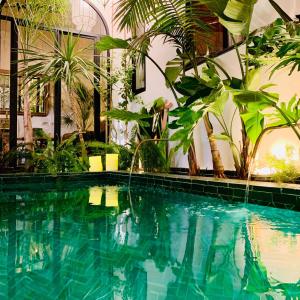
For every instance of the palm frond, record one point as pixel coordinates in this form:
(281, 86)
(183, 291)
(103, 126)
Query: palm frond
(177, 21)
(132, 13)
(64, 62)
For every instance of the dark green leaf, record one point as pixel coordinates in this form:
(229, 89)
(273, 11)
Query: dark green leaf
(110, 43)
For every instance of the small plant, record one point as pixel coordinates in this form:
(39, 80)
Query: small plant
(148, 125)
(65, 158)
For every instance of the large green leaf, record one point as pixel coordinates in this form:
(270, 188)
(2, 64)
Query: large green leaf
(253, 79)
(246, 97)
(110, 43)
(184, 136)
(291, 111)
(189, 117)
(217, 107)
(254, 124)
(128, 116)
(193, 88)
(235, 15)
(187, 86)
(173, 69)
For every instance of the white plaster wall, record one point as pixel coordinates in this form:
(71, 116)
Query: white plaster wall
(264, 12)
(297, 7)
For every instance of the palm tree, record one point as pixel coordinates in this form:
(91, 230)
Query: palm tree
(33, 15)
(84, 101)
(66, 62)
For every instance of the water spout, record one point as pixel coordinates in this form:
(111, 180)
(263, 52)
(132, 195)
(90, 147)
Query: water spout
(135, 154)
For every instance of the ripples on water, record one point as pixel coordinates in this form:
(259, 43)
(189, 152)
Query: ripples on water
(102, 243)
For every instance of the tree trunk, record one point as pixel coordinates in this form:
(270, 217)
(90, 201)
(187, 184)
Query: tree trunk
(245, 155)
(79, 125)
(83, 148)
(194, 168)
(27, 122)
(216, 157)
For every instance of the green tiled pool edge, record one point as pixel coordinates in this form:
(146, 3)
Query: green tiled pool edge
(262, 193)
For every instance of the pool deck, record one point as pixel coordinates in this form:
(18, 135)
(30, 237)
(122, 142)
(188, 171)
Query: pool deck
(263, 193)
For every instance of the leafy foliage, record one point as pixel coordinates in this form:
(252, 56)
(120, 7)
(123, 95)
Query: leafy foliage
(66, 62)
(201, 96)
(153, 152)
(65, 158)
(290, 110)
(127, 116)
(110, 43)
(234, 15)
(173, 19)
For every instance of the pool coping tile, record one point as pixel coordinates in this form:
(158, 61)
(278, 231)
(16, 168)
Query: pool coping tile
(263, 193)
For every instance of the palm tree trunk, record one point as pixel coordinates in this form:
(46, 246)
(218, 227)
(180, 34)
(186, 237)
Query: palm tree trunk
(245, 155)
(194, 168)
(27, 122)
(79, 125)
(215, 153)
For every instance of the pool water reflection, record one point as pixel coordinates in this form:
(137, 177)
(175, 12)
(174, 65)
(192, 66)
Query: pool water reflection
(97, 243)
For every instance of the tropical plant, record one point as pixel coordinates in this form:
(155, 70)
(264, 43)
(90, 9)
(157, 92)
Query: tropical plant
(30, 16)
(149, 133)
(209, 93)
(66, 62)
(66, 157)
(84, 100)
(177, 22)
(236, 17)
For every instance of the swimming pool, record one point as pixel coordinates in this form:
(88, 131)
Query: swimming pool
(101, 242)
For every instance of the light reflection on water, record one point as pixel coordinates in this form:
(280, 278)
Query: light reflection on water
(96, 243)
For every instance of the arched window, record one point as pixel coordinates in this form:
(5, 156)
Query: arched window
(86, 18)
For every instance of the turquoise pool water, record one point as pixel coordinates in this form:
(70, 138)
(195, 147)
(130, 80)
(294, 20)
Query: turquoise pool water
(99, 243)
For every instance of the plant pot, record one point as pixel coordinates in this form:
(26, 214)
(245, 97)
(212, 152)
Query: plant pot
(95, 164)
(112, 162)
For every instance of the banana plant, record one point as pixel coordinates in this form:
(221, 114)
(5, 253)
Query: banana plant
(250, 99)
(236, 17)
